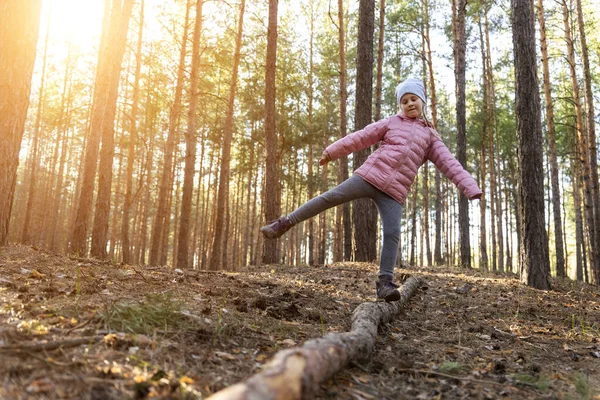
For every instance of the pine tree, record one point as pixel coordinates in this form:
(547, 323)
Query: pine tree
(19, 28)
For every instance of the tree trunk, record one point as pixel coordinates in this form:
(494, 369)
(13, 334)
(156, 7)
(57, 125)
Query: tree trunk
(558, 233)
(591, 138)
(102, 88)
(125, 239)
(495, 191)
(19, 27)
(535, 265)
(34, 161)
(413, 231)
(183, 242)
(483, 255)
(323, 220)
(437, 247)
(365, 213)
(311, 176)
(57, 228)
(120, 16)
(460, 47)
(223, 194)
(582, 139)
(165, 187)
(310, 189)
(343, 162)
(248, 242)
(380, 47)
(117, 199)
(271, 193)
(579, 237)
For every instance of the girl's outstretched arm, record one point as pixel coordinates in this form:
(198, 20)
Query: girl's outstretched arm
(358, 140)
(445, 161)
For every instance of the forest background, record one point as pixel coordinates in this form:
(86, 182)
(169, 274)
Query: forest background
(147, 139)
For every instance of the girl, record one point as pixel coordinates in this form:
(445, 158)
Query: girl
(407, 142)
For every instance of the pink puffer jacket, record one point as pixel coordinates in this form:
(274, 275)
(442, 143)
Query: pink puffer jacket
(406, 144)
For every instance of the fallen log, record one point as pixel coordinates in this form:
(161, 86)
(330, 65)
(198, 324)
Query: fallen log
(296, 373)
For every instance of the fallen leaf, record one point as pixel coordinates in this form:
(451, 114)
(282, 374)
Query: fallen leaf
(37, 274)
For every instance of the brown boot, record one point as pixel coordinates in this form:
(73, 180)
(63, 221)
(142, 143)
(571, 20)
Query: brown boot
(275, 229)
(386, 289)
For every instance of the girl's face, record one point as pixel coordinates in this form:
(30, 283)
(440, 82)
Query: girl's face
(411, 105)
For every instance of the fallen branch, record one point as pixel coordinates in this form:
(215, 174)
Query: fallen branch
(68, 331)
(297, 372)
(40, 346)
(459, 378)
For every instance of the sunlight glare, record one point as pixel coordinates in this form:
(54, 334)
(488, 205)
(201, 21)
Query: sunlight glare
(75, 21)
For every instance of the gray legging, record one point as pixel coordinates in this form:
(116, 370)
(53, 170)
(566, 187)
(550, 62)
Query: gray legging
(354, 188)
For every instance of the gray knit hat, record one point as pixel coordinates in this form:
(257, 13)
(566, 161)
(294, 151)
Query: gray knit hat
(411, 85)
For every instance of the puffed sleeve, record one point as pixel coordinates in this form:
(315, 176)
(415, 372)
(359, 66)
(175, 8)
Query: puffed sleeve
(358, 140)
(445, 161)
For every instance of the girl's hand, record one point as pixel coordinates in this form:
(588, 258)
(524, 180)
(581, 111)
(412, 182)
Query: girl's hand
(477, 196)
(325, 158)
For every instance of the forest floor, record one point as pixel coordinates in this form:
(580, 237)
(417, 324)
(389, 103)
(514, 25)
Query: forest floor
(82, 329)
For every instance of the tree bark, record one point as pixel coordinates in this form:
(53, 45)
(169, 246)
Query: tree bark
(223, 194)
(323, 220)
(125, 239)
(364, 213)
(19, 28)
(380, 47)
(558, 233)
(582, 139)
(535, 265)
(311, 138)
(591, 138)
(437, 247)
(34, 161)
(413, 231)
(579, 236)
(102, 88)
(183, 240)
(120, 16)
(165, 188)
(495, 190)
(57, 228)
(271, 193)
(343, 162)
(297, 373)
(483, 254)
(460, 47)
